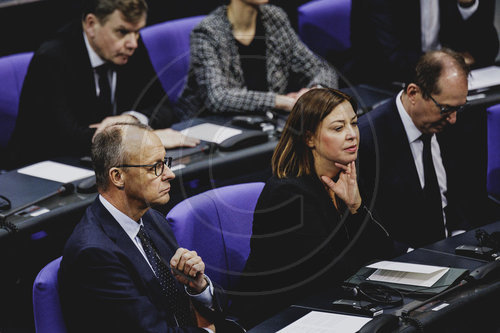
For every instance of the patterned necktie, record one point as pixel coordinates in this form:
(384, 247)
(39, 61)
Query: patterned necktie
(178, 300)
(104, 89)
(434, 224)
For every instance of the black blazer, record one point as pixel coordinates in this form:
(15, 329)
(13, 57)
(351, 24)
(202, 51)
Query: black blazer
(105, 283)
(301, 243)
(58, 100)
(386, 37)
(388, 171)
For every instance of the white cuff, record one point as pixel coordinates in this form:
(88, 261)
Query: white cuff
(206, 296)
(457, 232)
(139, 116)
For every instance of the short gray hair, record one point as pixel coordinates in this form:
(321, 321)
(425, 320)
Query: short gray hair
(108, 151)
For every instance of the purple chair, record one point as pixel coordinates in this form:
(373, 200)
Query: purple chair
(168, 47)
(217, 224)
(46, 304)
(493, 177)
(324, 25)
(12, 72)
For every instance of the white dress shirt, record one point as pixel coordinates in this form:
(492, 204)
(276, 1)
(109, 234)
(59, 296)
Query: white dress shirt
(96, 61)
(417, 146)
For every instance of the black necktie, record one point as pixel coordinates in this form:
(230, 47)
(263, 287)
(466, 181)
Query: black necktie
(434, 224)
(178, 300)
(104, 89)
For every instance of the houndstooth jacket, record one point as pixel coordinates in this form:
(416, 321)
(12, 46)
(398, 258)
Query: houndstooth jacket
(215, 81)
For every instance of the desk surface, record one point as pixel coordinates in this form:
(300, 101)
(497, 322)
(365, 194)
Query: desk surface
(478, 301)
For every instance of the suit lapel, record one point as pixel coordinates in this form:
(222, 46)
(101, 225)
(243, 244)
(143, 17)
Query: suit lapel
(393, 144)
(130, 250)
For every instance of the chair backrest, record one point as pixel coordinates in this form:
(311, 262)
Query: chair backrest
(493, 177)
(168, 47)
(324, 25)
(12, 72)
(46, 304)
(217, 224)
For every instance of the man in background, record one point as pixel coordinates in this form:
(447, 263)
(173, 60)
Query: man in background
(417, 169)
(389, 36)
(93, 72)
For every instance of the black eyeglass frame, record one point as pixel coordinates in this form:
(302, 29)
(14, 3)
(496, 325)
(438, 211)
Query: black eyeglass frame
(167, 161)
(447, 110)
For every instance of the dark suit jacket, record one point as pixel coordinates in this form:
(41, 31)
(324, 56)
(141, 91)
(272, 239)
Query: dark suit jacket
(58, 100)
(386, 37)
(388, 171)
(300, 243)
(105, 283)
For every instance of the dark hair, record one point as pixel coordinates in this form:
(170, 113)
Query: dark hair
(132, 10)
(108, 151)
(430, 67)
(292, 157)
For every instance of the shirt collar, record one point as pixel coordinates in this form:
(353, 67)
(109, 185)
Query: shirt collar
(412, 132)
(130, 226)
(95, 60)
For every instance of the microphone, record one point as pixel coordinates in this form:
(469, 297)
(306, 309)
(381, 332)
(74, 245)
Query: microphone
(63, 190)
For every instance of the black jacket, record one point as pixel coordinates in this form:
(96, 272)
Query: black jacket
(301, 243)
(58, 100)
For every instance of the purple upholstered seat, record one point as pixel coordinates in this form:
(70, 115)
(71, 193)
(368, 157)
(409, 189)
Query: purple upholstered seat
(12, 72)
(324, 25)
(493, 178)
(168, 47)
(46, 304)
(218, 224)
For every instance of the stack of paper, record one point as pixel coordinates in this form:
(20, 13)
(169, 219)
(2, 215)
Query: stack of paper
(405, 273)
(322, 322)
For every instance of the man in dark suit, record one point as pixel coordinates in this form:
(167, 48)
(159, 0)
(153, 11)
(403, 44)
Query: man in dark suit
(422, 194)
(122, 270)
(388, 36)
(93, 72)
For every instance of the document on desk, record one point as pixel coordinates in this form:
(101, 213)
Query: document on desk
(484, 77)
(55, 171)
(324, 322)
(406, 273)
(211, 132)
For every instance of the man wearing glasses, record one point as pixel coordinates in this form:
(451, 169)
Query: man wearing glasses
(407, 160)
(122, 269)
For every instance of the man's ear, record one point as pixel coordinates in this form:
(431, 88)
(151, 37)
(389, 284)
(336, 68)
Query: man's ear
(116, 177)
(310, 139)
(89, 23)
(412, 90)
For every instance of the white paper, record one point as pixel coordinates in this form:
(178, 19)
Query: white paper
(55, 171)
(406, 273)
(211, 132)
(323, 322)
(484, 77)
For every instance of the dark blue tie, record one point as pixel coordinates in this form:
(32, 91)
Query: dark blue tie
(104, 89)
(434, 224)
(178, 300)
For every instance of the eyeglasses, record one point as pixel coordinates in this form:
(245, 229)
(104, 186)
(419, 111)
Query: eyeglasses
(446, 109)
(159, 167)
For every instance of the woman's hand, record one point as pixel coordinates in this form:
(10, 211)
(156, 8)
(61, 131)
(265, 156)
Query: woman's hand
(346, 187)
